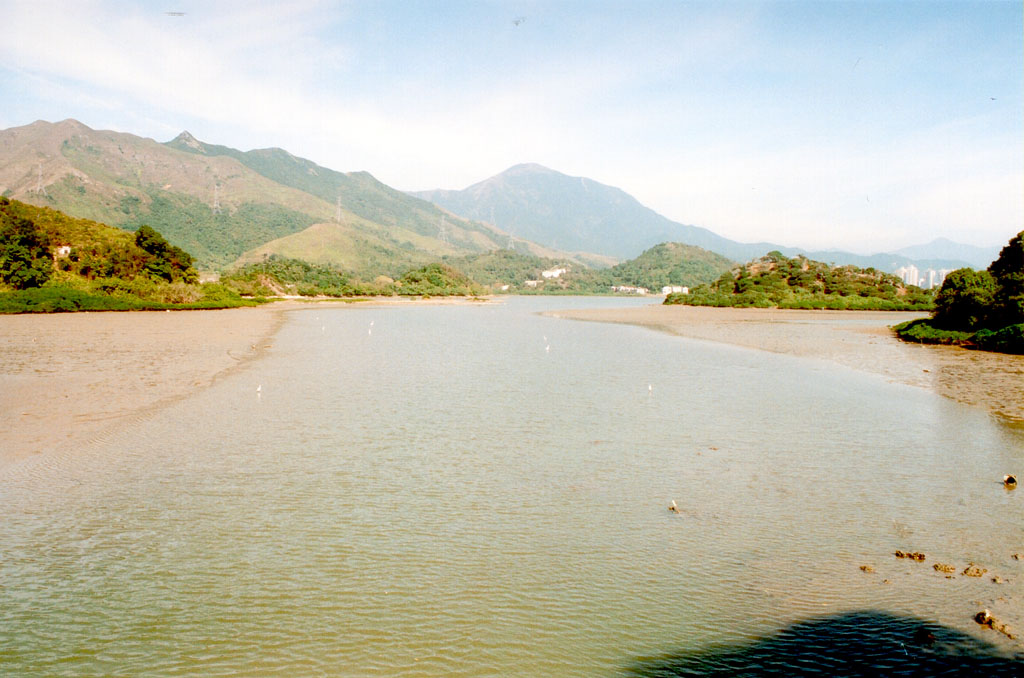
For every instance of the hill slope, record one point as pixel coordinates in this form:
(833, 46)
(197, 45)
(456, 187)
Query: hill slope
(664, 264)
(219, 203)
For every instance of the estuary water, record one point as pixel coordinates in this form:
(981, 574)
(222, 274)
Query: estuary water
(482, 491)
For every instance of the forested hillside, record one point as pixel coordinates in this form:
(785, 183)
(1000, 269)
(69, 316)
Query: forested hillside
(52, 262)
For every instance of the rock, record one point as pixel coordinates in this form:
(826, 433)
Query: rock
(985, 618)
(1010, 480)
(916, 555)
(867, 568)
(943, 567)
(973, 570)
(1018, 556)
(900, 554)
(998, 580)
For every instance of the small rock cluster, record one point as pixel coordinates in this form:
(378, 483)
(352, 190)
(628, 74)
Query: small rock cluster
(973, 570)
(913, 555)
(985, 618)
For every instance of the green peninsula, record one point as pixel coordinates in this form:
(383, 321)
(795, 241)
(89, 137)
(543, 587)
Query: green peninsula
(777, 281)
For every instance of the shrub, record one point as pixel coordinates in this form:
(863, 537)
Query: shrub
(1007, 340)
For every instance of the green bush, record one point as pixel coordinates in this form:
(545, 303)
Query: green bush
(1007, 340)
(922, 331)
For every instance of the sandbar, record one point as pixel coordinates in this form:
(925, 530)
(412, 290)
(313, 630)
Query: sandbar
(67, 378)
(860, 340)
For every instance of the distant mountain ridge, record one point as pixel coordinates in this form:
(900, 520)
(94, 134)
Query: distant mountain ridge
(576, 213)
(943, 248)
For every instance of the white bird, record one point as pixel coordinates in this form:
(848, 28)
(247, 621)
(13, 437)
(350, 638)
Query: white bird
(650, 388)
(547, 349)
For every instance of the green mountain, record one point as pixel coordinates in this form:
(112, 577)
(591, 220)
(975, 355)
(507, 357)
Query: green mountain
(670, 263)
(227, 206)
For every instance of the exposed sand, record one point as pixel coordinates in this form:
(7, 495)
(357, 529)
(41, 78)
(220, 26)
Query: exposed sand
(857, 339)
(66, 379)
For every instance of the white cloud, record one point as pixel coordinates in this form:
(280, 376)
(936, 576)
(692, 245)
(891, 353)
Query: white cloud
(676, 120)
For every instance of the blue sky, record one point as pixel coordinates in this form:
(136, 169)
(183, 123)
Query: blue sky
(861, 125)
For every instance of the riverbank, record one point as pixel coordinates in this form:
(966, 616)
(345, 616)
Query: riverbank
(860, 340)
(66, 379)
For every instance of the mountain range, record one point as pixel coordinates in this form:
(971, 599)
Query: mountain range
(576, 213)
(228, 207)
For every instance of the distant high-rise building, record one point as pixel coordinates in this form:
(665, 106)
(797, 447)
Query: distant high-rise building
(909, 274)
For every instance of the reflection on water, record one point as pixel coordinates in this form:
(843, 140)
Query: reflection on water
(477, 491)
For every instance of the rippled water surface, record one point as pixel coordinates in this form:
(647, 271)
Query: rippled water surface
(481, 491)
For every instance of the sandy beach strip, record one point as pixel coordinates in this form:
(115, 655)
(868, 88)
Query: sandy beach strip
(860, 340)
(67, 378)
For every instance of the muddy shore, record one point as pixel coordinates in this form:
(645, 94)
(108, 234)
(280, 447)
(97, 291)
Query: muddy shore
(860, 340)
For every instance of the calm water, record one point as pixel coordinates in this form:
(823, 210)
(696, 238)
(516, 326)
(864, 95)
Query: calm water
(482, 491)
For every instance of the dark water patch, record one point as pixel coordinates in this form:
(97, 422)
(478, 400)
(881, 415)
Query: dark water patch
(862, 643)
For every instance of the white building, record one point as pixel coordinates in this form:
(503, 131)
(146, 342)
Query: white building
(629, 289)
(552, 273)
(675, 289)
(909, 274)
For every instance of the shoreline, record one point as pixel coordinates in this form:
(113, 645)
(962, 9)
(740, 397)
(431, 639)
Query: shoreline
(860, 340)
(68, 380)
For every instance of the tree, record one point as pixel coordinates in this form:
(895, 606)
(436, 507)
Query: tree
(964, 302)
(25, 259)
(166, 261)
(1008, 272)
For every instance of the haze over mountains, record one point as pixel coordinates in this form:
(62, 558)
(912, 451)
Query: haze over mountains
(576, 213)
(227, 206)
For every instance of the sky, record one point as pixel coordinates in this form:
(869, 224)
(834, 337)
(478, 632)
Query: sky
(865, 126)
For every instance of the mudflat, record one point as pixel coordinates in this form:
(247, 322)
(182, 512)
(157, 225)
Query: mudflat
(860, 340)
(67, 378)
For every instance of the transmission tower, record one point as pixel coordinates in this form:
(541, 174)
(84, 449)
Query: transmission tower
(39, 181)
(511, 242)
(443, 235)
(216, 197)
